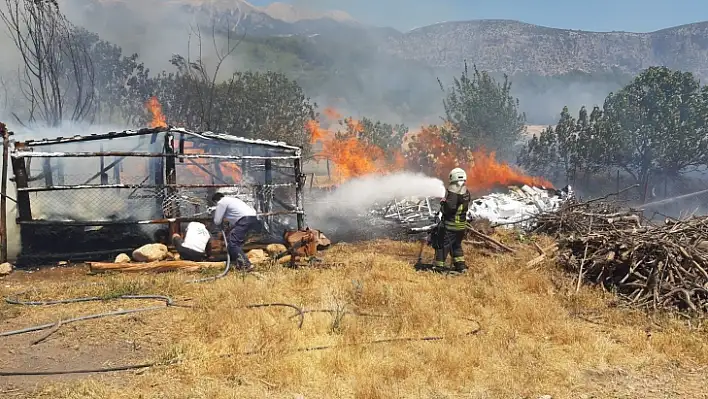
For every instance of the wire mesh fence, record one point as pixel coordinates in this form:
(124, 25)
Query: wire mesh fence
(93, 202)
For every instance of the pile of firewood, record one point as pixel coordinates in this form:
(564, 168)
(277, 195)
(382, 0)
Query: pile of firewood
(655, 266)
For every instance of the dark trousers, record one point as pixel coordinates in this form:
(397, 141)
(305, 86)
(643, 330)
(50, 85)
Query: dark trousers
(188, 253)
(450, 243)
(237, 237)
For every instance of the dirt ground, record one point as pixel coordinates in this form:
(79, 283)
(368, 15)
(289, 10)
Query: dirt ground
(509, 331)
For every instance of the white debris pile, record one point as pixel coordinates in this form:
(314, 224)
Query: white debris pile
(516, 207)
(409, 210)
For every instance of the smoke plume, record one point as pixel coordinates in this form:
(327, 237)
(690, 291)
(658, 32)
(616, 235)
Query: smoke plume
(345, 213)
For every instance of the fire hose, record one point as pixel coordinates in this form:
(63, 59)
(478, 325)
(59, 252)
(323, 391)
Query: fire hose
(169, 302)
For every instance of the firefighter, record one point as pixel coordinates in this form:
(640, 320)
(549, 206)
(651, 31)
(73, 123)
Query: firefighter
(453, 210)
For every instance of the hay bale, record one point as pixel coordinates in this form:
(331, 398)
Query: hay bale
(150, 253)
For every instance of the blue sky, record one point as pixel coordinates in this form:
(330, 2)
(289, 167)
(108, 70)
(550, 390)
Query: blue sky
(597, 15)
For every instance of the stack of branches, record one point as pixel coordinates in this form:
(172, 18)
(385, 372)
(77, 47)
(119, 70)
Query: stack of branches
(650, 266)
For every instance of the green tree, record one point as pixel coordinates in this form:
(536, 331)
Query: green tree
(484, 112)
(657, 124)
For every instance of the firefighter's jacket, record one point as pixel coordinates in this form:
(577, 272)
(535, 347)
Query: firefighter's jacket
(454, 208)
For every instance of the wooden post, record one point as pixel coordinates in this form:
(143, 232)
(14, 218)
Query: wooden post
(59, 164)
(102, 160)
(171, 178)
(268, 202)
(3, 193)
(24, 209)
(47, 171)
(300, 182)
(116, 173)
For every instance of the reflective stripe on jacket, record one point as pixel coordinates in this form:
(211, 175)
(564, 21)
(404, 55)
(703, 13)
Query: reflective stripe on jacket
(454, 209)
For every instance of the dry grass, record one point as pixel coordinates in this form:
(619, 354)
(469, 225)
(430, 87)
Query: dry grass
(538, 336)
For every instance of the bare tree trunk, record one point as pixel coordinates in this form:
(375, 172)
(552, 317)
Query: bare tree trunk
(57, 73)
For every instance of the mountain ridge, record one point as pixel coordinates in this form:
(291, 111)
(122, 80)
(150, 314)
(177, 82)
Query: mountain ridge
(512, 46)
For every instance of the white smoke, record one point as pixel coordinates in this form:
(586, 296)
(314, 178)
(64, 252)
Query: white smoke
(360, 194)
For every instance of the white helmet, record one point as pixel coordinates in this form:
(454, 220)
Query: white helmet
(457, 175)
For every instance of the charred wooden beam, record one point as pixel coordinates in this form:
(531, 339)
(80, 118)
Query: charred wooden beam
(300, 184)
(24, 208)
(67, 222)
(47, 172)
(108, 167)
(93, 137)
(171, 179)
(102, 163)
(209, 172)
(134, 186)
(89, 154)
(3, 191)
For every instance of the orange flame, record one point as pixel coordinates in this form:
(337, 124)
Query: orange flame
(331, 113)
(158, 118)
(351, 156)
(487, 172)
(227, 169)
(429, 150)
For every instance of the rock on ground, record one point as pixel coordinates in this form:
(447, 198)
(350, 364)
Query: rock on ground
(5, 269)
(257, 256)
(150, 253)
(122, 258)
(275, 249)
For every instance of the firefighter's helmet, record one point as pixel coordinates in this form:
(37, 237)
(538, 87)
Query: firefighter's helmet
(457, 175)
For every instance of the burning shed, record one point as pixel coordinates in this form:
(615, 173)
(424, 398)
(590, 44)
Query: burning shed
(95, 196)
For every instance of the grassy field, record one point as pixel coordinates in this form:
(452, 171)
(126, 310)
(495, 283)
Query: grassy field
(510, 332)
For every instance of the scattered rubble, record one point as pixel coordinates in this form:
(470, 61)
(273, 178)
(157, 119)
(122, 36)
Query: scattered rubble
(517, 207)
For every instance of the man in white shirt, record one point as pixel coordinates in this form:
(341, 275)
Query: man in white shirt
(196, 245)
(242, 219)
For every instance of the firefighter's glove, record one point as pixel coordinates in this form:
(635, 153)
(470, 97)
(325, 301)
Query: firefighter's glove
(438, 217)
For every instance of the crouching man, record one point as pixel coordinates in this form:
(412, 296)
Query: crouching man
(196, 245)
(242, 219)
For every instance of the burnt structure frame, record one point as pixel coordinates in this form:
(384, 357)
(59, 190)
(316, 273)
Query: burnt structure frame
(18, 152)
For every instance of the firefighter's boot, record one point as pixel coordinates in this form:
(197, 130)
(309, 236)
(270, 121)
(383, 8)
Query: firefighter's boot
(459, 266)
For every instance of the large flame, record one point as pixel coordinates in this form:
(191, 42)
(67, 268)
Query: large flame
(352, 157)
(429, 150)
(155, 108)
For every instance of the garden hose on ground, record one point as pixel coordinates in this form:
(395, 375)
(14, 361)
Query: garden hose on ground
(169, 302)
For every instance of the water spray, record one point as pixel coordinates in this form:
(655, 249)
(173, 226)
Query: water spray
(672, 199)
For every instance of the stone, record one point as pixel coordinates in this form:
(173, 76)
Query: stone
(150, 253)
(5, 269)
(257, 256)
(122, 258)
(275, 249)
